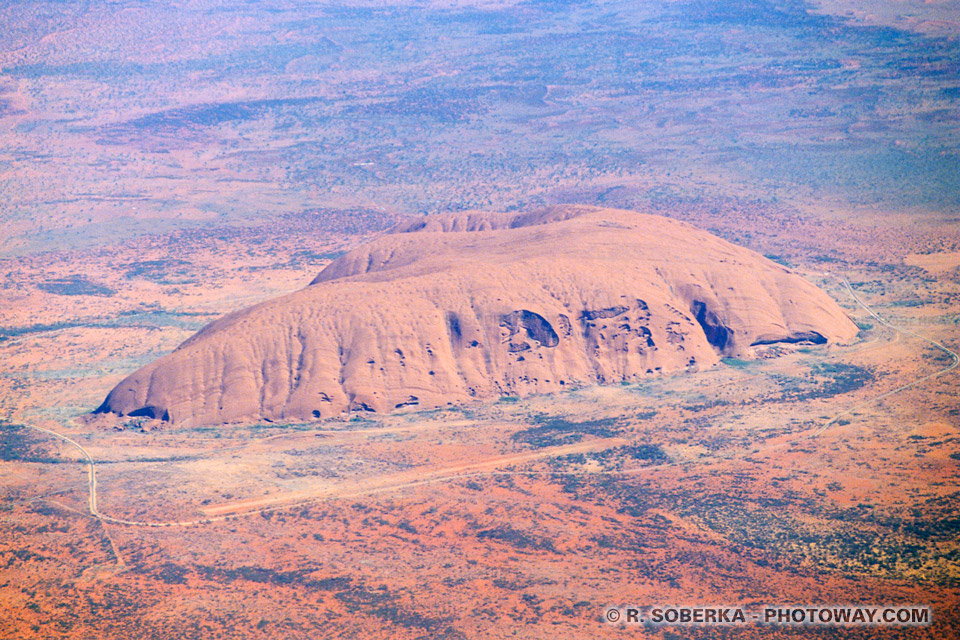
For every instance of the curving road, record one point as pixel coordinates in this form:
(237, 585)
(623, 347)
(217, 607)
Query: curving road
(91, 467)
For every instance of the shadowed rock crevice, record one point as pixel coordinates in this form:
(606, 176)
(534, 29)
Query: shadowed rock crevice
(412, 401)
(453, 327)
(536, 327)
(154, 413)
(803, 336)
(597, 314)
(717, 334)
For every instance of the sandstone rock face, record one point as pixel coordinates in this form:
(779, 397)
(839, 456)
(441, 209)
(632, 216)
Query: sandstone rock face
(452, 308)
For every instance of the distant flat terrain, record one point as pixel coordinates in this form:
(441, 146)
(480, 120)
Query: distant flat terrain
(163, 165)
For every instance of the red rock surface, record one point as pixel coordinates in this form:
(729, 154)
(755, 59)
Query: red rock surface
(475, 305)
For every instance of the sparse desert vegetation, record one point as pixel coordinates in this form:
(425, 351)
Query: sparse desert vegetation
(165, 164)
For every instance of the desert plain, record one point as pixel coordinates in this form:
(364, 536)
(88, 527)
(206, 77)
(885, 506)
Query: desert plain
(163, 166)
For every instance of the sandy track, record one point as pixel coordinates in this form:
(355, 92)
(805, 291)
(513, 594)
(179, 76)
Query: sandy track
(407, 479)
